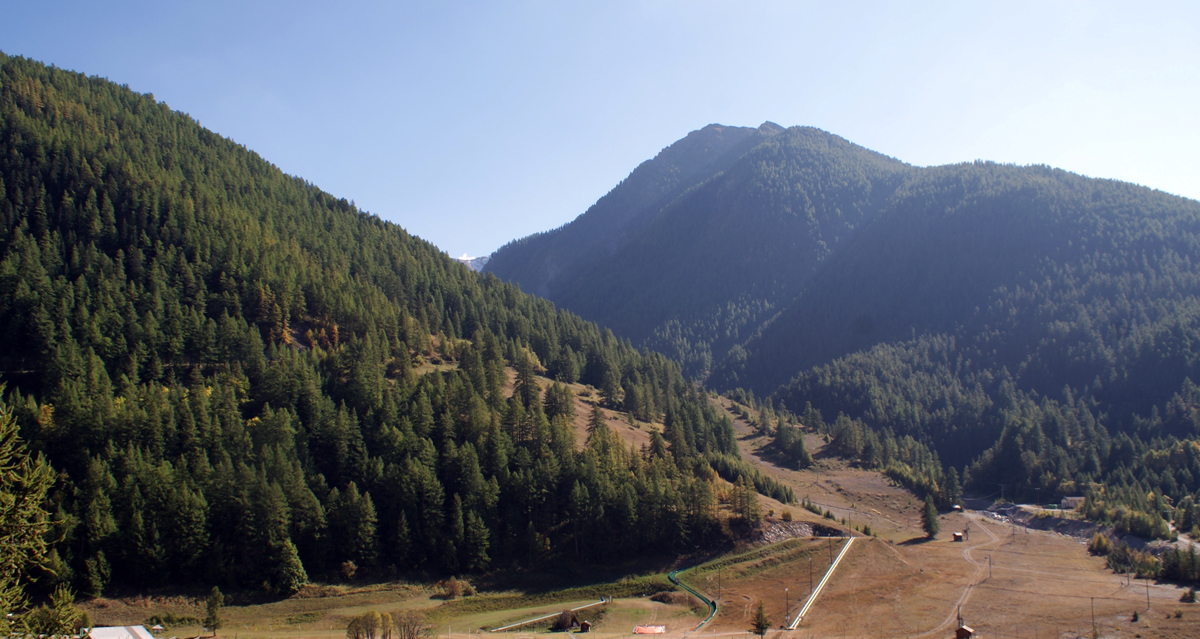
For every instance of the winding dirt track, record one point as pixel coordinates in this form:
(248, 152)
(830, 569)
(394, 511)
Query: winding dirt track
(976, 578)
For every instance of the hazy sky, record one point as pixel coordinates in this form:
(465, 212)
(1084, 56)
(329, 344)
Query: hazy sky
(471, 124)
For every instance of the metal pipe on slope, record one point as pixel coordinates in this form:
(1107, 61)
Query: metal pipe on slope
(813, 597)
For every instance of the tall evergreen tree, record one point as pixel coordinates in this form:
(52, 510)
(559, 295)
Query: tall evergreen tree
(929, 518)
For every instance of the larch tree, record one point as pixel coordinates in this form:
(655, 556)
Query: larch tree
(24, 481)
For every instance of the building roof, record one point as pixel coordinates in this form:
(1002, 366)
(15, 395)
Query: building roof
(120, 632)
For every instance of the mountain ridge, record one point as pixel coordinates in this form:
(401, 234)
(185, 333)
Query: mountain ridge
(1028, 325)
(240, 379)
(814, 221)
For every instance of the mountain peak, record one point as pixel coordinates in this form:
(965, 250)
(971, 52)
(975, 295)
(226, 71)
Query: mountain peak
(770, 128)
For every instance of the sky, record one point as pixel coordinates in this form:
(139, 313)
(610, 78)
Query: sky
(471, 124)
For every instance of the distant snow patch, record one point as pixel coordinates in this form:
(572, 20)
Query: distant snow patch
(474, 263)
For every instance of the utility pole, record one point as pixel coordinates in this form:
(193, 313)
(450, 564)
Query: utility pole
(989, 566)
(1147, 594)
(787, 604)
(810, 585)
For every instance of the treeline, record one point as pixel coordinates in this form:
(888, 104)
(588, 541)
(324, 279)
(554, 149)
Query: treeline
(1040, 447)
(905, 460)
(1176, 564)
(242, 380)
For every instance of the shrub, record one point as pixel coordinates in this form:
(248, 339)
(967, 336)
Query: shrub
(1099, 545)
(786, 515)
(1189, 596)
(410, 624)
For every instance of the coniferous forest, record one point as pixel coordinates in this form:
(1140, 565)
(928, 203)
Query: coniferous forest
(1022, 326)
(239, 379)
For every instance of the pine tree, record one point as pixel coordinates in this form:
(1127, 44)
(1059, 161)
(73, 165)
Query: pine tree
(478, 538)
(287, 573)
(212, 607)
(761, 623)
(929, 517)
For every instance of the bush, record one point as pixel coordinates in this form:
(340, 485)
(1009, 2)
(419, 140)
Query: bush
(786, 515)
(1189, 596)
(1099, 545)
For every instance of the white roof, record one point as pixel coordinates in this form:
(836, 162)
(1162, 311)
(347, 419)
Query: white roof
(120, 632)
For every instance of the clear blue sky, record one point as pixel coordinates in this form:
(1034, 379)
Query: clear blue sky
(474, 123)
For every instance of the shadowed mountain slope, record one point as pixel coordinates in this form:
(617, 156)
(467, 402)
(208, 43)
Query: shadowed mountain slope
(712, 262)
(1032, 327)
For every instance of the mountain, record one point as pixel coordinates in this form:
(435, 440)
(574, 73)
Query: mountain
(474, 263)
(1031, 327)
(695, 266)
(242, 380)
(547, 263)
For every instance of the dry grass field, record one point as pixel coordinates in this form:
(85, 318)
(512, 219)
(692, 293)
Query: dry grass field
(1038, 585)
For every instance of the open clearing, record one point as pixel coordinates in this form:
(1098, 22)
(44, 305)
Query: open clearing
(1041, 584)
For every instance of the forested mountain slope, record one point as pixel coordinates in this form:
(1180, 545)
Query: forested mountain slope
(1032, 327)
(720, 258)
(1035, 327)
(546, 264)
(242, 380)
(1059, 274)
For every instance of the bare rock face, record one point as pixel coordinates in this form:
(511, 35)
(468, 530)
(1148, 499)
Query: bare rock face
(786, 530)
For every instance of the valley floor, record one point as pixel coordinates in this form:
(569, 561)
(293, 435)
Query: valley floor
(1004, 580)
